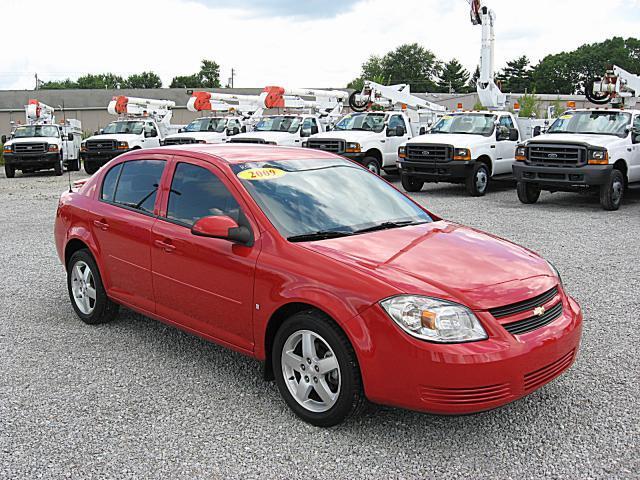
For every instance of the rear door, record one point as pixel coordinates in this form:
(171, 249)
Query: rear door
(203, 284)
(121, 224)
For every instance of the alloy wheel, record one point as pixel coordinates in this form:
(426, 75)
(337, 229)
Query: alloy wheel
(83, 287)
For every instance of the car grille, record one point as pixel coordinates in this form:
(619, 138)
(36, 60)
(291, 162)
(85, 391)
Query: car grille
(537, 378)
(100, 145)
(429, 153)
(515, 308)
(179, 141)
(29, 147)
(333, 146)
(247, 140)
(465, 396)
(533, 321)
(557, 155)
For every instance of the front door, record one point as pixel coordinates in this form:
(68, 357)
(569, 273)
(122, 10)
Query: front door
(505, 149)
(394, 142)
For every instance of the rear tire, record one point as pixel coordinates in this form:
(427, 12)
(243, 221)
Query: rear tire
(612, 192)
(9, 171)
(90, 167)
(58, 167)
(73, 165)
(478, 182)
(86, 290)
(528, 193)
(411, 184)
(372, 164)
(316, 369)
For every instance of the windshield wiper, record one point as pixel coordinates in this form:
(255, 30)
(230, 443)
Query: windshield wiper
(389, 225)
(319, 235)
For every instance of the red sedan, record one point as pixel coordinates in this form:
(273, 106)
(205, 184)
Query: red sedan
(344, 287)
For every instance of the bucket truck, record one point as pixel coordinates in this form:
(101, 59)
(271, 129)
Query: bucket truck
(303, 118)
(587, 149)
(141, 123)
(41, 143)
(372, 137)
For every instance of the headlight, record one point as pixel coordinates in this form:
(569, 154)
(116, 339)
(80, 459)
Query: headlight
(271, 143)
(353, 147)
(83, 147)
(6, 149)
(555, 270)
(461, 154)
(433, 319)
(305, 144)
(598, 157)
(53, 148)
(402, 152)
(201, 141)
(122, 146)
(521, 154)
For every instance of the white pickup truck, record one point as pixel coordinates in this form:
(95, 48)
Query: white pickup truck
(463, 147)
(287, 130)
(208, 130)
(370, 138)
(583, 150)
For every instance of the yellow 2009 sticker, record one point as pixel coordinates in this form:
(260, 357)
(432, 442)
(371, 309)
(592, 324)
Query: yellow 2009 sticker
(566, 117)
(261, 174)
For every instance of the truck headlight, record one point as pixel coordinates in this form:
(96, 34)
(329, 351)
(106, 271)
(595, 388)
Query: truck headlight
(305, 144)
(521, 154)
(122, 146)
(53, 148)
(6, 149)
(402, 152)
(598, 157)
(433, 319)
(83, 147)
(353, 147)
(461, 154)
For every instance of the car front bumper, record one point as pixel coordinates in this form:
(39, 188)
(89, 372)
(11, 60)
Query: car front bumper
(563, 178)
(403, 371)
(452, 171)
(34, 160)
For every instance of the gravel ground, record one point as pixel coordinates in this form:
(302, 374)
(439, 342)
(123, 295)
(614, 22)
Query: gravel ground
(138, 399)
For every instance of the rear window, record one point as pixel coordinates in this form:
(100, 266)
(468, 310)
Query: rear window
(133, 184)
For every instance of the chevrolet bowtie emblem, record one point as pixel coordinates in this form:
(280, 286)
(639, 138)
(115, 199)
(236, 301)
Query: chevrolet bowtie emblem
(539, 311)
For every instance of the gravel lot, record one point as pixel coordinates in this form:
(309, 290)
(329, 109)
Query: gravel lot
(138, 399)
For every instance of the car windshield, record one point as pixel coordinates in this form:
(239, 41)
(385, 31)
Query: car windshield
(300, 198)
(134, 128)
(469, 124)
(207, 125)
(600, 123)
(371, 122)
(36, 131)
(278, 124)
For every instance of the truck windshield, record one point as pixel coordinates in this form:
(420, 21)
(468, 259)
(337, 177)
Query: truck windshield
(370, 122)
(278, 124)
(134, 128)
(36, 131)
(207, 125)
(469, 124)
(598, 123)
(300, 199)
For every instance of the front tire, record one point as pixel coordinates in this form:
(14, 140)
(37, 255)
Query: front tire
(90, 167)
(411, 184)
(528, 193)
(478, 182)
(73, 165)
(372, 164)
(58, 167)
(86, 290)
(316, 370)
(9, 171)
(612, 192)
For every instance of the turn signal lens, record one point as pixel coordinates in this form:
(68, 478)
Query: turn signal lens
(402, 152)
(352, 148)
(521, 154)
(6, 149)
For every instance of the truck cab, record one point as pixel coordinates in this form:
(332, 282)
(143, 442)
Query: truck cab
(208, 130)
(35, 147)
(583, 150)
(287, 130)
(370, 138)
(462, 147)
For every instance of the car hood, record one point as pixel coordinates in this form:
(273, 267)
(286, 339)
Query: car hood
(278, 137)
(34, 140)
(445, 260)
(199, 135)
(455, 139)
(348, 135)
(595, 140)
(119, 137)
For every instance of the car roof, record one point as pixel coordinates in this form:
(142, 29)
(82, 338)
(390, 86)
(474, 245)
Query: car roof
(244, 153)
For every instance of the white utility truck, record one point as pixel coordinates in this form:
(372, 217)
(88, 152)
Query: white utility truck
(587, 149)
(42, 144)
(142, 123)
(372, 138)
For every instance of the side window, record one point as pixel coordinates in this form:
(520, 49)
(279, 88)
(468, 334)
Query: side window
(138, 184)
(507, 122)
(109, 183)
(150, 130)
(197, 193)
(397, 121)
(636, 123)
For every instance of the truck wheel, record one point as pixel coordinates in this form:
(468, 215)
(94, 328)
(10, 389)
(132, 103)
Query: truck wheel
(411, 184)
(90, 167)
(9, 171)
(528, 193)
(611, 193)
(478, 181)
(372, 164)
(57, 167)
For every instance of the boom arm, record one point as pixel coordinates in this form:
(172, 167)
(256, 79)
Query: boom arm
(390, 97)
(38, 112)
(616, 86)
(159, 110)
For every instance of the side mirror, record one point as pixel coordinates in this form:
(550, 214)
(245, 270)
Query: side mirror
(514, 135)
(236, 130)
(400, 131)
(222, 227)
(328, 129)
(180, 130)
(244, 129)
(502, 133)
(305, 133)
(314, 129)
(537, 131)
(423, 131)
(150, 134)
(70, 137)
(4, 139)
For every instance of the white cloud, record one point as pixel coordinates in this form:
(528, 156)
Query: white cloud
(171, 36)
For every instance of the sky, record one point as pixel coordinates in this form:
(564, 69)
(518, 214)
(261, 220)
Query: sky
(291, 43)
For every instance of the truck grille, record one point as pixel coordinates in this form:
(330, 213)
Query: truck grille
(557, 155)
(29, 147)
(333, 146)
(429, 153)
(179, 141)
(536, 319)
(100, 145)
(247, 140)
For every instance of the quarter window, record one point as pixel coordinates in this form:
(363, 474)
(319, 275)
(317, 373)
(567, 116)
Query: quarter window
(196, 193)
(110, 182)
(136, 184)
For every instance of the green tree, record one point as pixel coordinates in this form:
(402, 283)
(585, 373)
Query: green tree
(517, 76)
(529, 105)
(143, 80)
(107, 81)
(59, 84)
(453, 77)
(186, 81)
(207, 77)
(473, 81)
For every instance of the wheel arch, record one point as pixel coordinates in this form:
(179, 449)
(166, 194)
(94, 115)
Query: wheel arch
(375, 153)
(621, 164)
(486, 159)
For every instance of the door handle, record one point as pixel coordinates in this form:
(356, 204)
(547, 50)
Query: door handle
(101, 224)
(167, 247)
